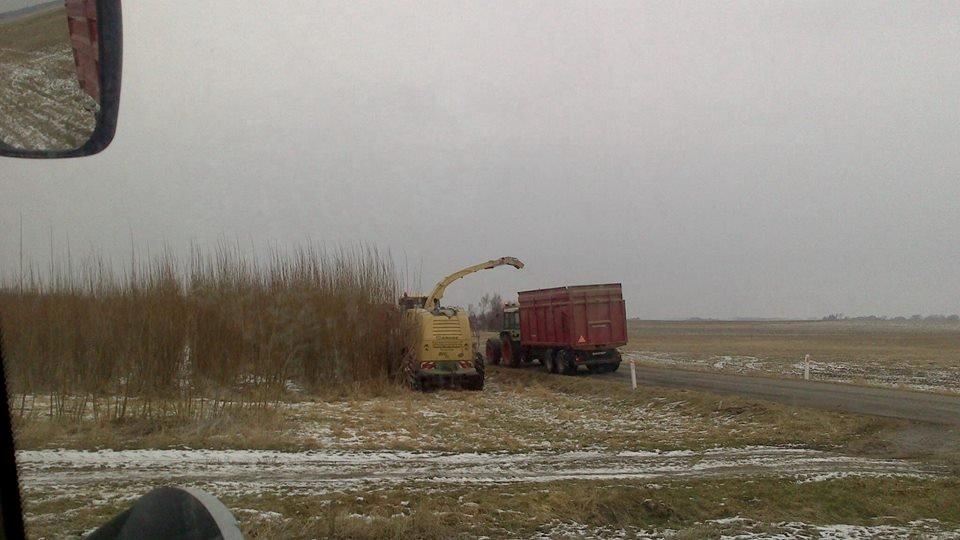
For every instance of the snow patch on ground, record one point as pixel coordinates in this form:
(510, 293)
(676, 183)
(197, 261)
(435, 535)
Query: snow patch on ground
(900, 376)
(51, 473)
(737, 528)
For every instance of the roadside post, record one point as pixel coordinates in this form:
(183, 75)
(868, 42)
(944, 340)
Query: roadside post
(633, 373)
(806, 368)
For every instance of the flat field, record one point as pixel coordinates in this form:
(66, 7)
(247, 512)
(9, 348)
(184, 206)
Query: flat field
(532, 456)
(909, 355)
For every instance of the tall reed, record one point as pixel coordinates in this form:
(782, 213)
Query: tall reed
(162, 338)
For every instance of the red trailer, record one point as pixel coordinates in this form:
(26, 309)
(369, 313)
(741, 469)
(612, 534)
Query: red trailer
(564, 328)
(84, 38)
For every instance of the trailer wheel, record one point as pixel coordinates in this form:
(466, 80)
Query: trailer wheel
(615, 365)
(549, 362)
(493, 351)
(567, 362)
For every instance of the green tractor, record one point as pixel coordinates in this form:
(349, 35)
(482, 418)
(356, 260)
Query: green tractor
(505, 349)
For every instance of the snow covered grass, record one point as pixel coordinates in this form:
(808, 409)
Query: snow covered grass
(236, 472)
(755, 507)
(533, 455)
(747, 529)
(878, 353)
(519, 411)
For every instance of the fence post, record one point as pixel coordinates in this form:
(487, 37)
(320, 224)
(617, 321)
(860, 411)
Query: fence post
(806, 368)
(633, 373)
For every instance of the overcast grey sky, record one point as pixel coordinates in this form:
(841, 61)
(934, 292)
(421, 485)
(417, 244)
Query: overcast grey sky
(781, 159)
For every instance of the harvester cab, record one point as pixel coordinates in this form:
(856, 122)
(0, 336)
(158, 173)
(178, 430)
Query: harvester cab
(439, 349)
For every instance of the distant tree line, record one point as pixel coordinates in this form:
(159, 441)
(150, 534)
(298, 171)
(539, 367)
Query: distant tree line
(935, 319)
(486, 315)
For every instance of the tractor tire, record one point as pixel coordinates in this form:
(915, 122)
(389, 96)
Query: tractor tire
(566, 362)
(493, 351)
(478, 365)
(509, 353)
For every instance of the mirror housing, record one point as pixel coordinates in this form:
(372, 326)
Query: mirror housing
(98, 76)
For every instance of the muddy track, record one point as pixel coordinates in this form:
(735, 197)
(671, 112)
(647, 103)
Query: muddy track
(889, 402)
(251, 471)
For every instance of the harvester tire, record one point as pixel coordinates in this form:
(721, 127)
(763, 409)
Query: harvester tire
(410, 374)
(493, 351)
(478, 365)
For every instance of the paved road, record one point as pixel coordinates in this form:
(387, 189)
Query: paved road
(923, 406)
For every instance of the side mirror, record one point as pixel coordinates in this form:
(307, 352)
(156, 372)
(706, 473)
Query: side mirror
(59, 76)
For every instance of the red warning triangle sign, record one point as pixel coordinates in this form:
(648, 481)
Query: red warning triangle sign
(581, 340)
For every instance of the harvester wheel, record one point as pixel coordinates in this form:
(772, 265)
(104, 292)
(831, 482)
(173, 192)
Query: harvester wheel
(493, 351)
(478, 365)
(410, 373)
(549, 361)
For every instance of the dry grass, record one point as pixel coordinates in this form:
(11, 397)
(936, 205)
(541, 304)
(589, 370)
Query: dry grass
(519, 411)
(192, 341)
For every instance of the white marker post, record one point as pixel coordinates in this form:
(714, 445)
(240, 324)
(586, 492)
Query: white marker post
(633, 373)
(806, 368)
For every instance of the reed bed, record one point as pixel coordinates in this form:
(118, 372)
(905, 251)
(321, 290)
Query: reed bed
(190, 339)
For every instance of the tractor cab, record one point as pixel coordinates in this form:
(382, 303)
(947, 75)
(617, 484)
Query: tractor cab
(510, 322)
(505, 348)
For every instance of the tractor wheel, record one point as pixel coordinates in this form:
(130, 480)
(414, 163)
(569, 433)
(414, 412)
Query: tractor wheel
(493, 351)
(478, 365)
(566, 362)
(549, 361)
(508, 353)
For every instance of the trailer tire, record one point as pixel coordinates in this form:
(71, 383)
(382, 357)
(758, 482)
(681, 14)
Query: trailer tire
(567, 362)
(615, 365)
(549, 361)
(493, 351)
